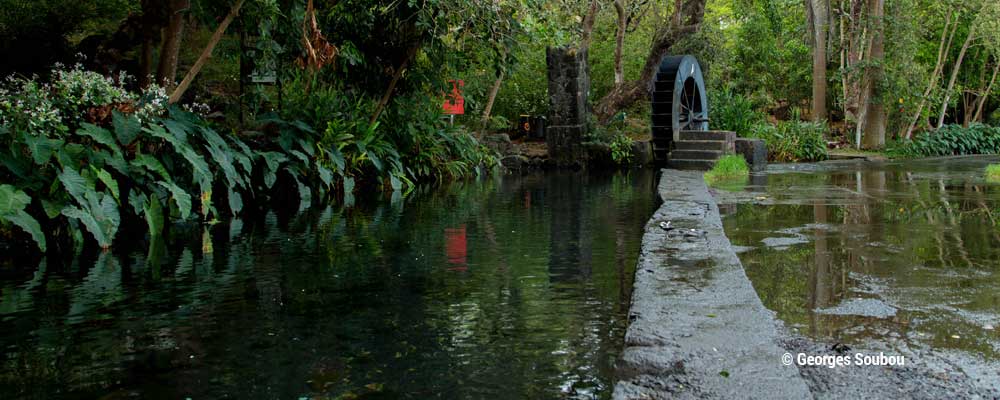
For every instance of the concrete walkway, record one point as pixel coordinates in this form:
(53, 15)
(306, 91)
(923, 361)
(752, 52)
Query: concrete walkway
(697, 328)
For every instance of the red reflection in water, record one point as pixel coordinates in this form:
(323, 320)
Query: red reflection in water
(456, 248)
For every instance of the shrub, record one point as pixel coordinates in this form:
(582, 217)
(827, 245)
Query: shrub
(993, 173)
(127, 158)
(621, 149)
(951, 140)
(728, 168)
(793, 141)
(733, 112)
(410, 142)
(74, 96)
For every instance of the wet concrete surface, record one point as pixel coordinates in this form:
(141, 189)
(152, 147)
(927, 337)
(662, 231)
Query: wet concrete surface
(848, 259)
(900, 258)
(697, 328)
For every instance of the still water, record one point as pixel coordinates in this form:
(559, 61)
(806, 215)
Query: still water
(508, 287)
(903, 255)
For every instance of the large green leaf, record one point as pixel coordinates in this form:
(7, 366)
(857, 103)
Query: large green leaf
(72, 154)
(223, 157)
(200, 169)
(244, 156)
(76, 185)
(235, 202)
(325, 174)
(127, 127)
(12, 200)
(99, 215)
(17, 164)
(337, 157)
(109, 182)
(137, 200)
(176, 128)
(41, 147)
(153, 213)
(181, 198)
(273, 161)
(30, 225)
(153, 165)
(99, 135)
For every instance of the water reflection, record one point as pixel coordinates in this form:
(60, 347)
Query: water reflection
(903, 253)
(511, 287)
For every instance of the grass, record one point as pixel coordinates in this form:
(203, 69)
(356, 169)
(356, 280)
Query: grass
(728, 168)
(993, 173)
(729, 173)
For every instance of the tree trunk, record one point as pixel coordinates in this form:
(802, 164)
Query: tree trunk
(588, 25)
(620, 43)
(489, 102)
(978, 117)
(392, 84)
(875, 120)
(864, 90)
(166, 73)
(151, 22)
(686, 20)
(954, 75)
(854, 53)
(206, 53)
(818, 16)
(943, 49)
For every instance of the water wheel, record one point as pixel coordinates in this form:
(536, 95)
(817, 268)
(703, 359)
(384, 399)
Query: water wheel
(679, 102)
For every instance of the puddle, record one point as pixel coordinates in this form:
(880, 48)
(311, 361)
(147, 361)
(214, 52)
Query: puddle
(903, 254)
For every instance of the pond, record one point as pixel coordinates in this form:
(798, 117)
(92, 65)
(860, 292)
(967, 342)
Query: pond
(507, 287)
(901, 255)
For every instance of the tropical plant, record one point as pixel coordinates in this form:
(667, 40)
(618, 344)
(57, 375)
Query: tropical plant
(734, 112)
(621, 149)
(793, 141)
(13, 203)
(951, 140)
(139, 162)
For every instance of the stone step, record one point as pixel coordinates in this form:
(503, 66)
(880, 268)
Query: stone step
(699, 165)
(696, 154)
(707, 135)
(701, 145)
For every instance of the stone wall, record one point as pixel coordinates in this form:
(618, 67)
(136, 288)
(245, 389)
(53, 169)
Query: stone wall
(569, 84)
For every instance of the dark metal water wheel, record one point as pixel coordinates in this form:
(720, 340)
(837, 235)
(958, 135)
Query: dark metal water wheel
(679, 102)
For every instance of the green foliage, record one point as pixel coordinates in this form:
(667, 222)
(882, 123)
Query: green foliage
(41, 33)
(950, 140)
(621, 149)
(410, 143)
(731, 111)
(13, 203)
(729, 168)
(793, 141)
(153, 167)
(993, 173)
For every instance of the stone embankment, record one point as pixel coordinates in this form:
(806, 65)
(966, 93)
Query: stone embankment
(697, 328)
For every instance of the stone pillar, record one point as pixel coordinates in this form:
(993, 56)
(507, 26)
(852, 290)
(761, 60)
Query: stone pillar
(569, 84)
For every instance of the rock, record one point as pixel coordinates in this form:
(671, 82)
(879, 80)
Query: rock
(642, 153)
(598, 153)
(499, 142)
(754, 151)
(515, 162)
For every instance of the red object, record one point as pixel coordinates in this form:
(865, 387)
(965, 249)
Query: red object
(454, 103)
(456, 248)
